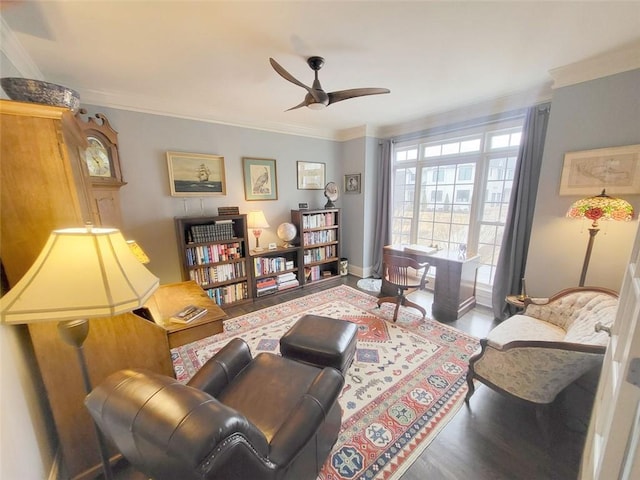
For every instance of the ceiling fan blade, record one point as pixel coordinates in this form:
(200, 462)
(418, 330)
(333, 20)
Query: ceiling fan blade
(355, 92)
(287, 76)
(304, 103)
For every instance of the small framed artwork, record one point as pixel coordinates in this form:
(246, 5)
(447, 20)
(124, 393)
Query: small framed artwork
(311, 175)
(352, 183)
(615, 169)
(260, 180)
(196, 174)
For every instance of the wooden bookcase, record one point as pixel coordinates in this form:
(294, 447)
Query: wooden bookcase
(214, 253)
(272, 269)
(319, 232)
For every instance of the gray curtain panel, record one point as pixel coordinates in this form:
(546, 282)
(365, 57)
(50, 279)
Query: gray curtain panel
(517, 231)
(381, 236)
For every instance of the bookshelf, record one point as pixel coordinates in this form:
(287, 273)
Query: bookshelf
(319, 232)
(275, 271)
(214, 253)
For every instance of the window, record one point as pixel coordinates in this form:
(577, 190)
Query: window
(455, 190)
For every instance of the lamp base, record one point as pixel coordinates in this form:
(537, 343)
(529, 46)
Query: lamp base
(74, 333)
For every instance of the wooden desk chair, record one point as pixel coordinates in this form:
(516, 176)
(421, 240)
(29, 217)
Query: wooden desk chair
(397, 273)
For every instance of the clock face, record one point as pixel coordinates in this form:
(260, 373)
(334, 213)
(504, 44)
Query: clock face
(97, 158)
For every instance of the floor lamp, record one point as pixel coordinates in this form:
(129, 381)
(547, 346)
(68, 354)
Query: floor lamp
(599, 207)
(81, 273)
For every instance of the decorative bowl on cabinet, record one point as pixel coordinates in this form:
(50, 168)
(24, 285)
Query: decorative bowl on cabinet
(38, 91)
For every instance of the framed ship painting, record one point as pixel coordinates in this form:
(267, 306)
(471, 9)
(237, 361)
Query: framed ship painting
(196, 174)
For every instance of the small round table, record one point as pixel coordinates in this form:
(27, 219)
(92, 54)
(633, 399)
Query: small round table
(516, 300)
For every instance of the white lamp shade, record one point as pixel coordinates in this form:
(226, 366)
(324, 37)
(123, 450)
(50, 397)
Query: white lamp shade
(256, 219)
(80, 273)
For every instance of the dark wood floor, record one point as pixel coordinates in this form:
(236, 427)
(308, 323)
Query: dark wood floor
(495, 437)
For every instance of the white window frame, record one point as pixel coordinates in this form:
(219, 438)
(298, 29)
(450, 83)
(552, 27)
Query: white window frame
(480, 158)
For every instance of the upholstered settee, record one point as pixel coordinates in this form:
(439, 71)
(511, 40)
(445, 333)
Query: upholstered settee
(536, 354)
(238, 418)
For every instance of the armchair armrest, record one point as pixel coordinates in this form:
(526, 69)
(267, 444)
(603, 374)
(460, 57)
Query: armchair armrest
(222, 368)
(171, 428)
(305, 420)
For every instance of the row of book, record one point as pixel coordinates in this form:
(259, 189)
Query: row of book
(211, 232)
(320, 236)
(267, 265)
(218, 273)
(213, 253)
(284, 281)
(229, 293)
(318, 220)
(319, 253)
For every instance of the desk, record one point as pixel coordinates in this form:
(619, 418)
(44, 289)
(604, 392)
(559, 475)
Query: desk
(454, 291)
(169, 299)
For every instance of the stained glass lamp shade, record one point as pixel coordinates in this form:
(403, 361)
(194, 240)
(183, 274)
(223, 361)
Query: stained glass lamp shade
(598, 207)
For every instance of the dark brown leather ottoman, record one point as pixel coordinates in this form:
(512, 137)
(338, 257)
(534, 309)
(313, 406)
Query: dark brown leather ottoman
(321, 341)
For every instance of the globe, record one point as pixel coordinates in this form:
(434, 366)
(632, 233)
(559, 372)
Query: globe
(286, 232)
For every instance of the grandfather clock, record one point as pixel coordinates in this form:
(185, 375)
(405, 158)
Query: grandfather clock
(101, 166)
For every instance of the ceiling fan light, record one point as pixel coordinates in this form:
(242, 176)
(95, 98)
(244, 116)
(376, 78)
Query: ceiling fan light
(317, 106)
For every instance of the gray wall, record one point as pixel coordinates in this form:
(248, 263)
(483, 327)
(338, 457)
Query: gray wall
(596, 114)
(353, 152)
(149, 209)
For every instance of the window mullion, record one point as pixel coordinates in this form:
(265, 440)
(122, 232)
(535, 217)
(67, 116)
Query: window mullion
(479, 190)
(415, 221)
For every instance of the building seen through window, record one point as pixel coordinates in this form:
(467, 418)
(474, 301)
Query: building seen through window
(452, 191)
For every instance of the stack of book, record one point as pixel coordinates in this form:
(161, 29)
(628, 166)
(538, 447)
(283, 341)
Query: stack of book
(287, 280)
(188, 314)
(266, 286)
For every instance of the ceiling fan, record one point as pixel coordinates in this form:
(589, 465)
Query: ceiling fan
(316, 98)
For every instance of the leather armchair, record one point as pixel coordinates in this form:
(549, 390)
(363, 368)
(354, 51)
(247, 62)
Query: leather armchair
(239, 417)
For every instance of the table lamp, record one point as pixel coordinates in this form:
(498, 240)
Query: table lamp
(257, 221)
(81, 273)
(599, 207)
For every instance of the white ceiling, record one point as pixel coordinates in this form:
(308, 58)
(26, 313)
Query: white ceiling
(209, 60)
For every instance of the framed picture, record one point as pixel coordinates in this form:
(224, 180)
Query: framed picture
(615, 169)
(196, 174)
(260, 180)
(311, 176)
(352, 183)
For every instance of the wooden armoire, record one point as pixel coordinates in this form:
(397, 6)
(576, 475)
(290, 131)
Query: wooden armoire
(44, 186)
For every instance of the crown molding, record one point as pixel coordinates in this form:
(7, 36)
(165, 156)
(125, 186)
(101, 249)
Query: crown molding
(523, 99)
(16, 53)
(162, 108)
(609, 63)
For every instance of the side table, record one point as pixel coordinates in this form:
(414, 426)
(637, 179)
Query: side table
(171, 298)
(516, 300)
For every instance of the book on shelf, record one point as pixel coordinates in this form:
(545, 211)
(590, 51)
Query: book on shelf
(188, 314)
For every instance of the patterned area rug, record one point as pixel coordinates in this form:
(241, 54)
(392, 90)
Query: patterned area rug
(406, 383)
